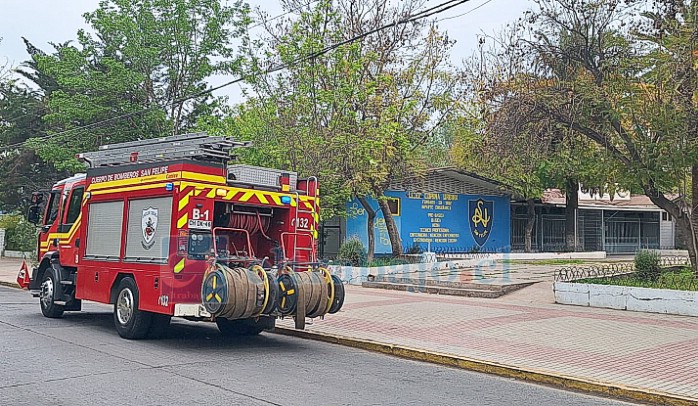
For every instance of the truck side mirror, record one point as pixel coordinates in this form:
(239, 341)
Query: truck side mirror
(34, 214)
(37, 198)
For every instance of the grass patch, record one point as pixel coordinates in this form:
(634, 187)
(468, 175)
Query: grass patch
(387, 261)
(683, 279)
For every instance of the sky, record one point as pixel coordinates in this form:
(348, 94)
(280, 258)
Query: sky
(44, 21)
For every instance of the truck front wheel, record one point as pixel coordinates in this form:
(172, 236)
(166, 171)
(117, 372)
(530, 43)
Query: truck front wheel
(47, 296)
(130, 322)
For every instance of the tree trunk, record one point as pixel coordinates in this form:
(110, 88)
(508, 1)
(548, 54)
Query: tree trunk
(370, 224)
(395, 241)
(571, 205)
(530, 222)
(685, 219)
(684, 222)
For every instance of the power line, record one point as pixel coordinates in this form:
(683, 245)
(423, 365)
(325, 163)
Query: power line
(409, 19)
(467, 12)
(437, 9)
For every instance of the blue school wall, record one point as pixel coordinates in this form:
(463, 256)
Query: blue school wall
(438, 221)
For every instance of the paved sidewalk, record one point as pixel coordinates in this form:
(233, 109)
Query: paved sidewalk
(9, 268)
(526, 330)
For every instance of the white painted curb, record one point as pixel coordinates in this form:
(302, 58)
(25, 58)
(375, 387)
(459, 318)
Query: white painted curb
(665, 301)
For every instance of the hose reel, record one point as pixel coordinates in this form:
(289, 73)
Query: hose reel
(239, 293)
(234, 293)
(323, 292)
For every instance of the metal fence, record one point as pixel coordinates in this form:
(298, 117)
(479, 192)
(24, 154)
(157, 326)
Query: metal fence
(624, 274)
(616, 232)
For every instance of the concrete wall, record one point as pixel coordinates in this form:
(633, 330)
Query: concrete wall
(673, 253)
(665, 301)
(18, 254)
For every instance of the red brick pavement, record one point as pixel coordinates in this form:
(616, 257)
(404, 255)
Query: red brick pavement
(646, 351)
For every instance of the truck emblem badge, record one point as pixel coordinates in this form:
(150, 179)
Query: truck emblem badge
(149, 222)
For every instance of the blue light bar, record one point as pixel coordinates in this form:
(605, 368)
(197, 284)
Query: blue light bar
(286, 199)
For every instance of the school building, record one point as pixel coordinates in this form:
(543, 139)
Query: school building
(453, 211)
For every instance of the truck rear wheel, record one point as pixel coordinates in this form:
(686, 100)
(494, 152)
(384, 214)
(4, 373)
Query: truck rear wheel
(47, 296)
(245, 327)
(130, 322)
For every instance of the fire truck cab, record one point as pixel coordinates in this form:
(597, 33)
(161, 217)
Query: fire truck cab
(166, 227)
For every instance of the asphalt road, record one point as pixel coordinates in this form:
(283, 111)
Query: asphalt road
(80, 360)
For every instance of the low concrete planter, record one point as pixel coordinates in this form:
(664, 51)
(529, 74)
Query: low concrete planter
(684, 303)
(18, 254)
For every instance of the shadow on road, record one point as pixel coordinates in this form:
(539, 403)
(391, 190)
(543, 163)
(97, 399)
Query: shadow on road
(183, 334)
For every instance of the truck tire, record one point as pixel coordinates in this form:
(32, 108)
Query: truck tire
(130, 322)
(245, 327)
(47, 296)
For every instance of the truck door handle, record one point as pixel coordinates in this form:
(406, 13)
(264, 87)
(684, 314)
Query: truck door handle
(55, 242)
(96, 276)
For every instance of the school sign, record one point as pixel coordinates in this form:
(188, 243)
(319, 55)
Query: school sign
(447, 210)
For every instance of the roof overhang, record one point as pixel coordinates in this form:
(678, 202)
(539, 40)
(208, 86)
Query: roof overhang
(464, 176)
(595, 206)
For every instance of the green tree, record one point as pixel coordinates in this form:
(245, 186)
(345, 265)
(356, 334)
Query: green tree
(146, 63)
(487, 145)
(175, 45)
(580, 67)
(518, 146)
(20, 234)
(671, 30)
(88, 90)
(21, 112)
(357, 115)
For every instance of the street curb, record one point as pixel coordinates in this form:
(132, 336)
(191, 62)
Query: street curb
(539, 377)
(10, 284)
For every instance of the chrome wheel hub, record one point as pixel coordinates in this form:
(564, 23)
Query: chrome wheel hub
(124, 306)
(46, 293)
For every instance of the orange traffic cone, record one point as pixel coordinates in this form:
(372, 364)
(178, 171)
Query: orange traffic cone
(23, 278)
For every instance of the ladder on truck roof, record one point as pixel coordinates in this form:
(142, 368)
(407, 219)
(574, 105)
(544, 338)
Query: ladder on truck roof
(297, 232)
(197, 146)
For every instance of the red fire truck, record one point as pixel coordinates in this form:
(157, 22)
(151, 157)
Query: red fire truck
(167, 227)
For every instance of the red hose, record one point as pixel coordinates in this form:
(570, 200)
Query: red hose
(262, 228)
